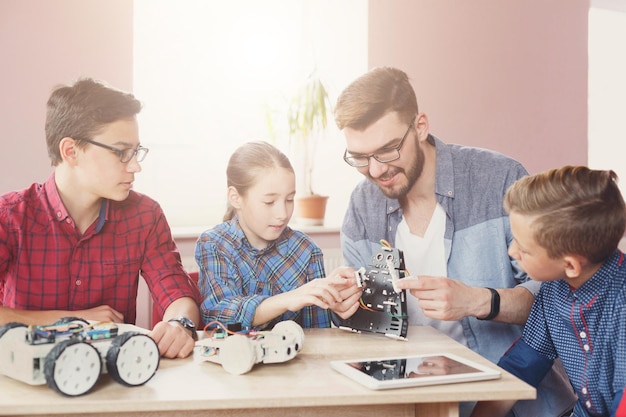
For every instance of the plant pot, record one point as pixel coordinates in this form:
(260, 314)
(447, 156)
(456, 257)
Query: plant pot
(310, 210)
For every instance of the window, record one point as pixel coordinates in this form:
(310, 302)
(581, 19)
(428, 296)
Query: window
(209, 72)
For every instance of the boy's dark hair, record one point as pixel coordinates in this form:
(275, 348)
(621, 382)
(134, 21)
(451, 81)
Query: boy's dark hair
(576, 210)
(81, 110)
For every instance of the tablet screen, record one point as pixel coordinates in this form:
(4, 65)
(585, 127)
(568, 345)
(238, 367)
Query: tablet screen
(417, 367)
(413, 371)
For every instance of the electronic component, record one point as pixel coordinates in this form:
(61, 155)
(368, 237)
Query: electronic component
(383, 306)
(70, 354)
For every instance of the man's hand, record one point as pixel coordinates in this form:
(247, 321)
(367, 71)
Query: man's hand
(173, 339)
(444, 298)
(449, 299)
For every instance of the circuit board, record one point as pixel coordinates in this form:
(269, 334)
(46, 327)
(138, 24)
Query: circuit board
(383, 309)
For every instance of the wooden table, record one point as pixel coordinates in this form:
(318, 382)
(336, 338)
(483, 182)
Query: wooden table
(304, 386)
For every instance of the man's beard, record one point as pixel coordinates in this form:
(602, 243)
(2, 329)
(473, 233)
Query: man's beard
(411, 174)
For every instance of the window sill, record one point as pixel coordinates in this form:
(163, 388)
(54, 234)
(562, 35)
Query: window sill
(192, 232)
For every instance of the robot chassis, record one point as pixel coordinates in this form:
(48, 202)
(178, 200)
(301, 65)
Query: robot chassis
(70, 355)
(383, 307)
(238, 353)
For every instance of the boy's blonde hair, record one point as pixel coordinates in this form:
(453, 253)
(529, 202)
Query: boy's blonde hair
(576, 210)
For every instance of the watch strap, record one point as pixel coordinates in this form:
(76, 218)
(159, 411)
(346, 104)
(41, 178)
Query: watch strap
(495, 305)
(187, 324)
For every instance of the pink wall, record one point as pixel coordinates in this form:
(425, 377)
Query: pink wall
(505, 75)
(510, 76)
(45, 43)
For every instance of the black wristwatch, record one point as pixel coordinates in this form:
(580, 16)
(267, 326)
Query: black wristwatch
(187, 324)
(495, 305)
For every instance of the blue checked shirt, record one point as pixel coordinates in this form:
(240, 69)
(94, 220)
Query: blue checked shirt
(586, 329)
(236, 277)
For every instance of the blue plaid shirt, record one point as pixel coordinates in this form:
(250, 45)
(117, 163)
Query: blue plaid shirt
(586, 329)
(236, 277)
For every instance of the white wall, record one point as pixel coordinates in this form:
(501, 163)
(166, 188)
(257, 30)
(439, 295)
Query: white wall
(209, 71)
(607, 87)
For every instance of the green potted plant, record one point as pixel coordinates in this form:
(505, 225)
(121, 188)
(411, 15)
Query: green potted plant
(308, 115)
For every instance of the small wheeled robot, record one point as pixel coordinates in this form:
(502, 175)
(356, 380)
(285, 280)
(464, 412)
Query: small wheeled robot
(383, 307)
(70, 354)
(238, 352)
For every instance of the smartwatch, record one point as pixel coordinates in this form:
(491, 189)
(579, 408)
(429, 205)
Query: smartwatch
(187, 324)
(495, 305)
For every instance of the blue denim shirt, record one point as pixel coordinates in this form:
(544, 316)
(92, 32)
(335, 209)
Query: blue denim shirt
(470, 186)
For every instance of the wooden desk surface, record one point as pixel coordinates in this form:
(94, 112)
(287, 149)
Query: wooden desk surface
(304, 386)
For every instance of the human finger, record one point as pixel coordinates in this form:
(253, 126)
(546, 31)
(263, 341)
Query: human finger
(342, 271)
(172, 339)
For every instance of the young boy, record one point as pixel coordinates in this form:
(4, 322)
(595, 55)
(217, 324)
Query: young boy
(567, 224)
(76, 244)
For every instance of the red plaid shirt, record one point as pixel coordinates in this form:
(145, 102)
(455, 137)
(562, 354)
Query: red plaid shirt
(45, 263)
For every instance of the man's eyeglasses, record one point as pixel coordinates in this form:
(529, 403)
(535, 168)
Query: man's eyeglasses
(383, 155)
(125, 155)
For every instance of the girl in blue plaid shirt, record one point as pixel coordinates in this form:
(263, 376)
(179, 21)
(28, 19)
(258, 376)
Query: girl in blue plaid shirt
(254, 269)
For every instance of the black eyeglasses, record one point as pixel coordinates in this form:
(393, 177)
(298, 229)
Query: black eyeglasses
(383, 155)
(125, 154)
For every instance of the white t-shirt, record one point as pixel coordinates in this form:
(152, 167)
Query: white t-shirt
(426, 256)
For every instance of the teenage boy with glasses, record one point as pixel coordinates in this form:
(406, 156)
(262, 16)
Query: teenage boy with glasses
(441, 205)
(76, 244)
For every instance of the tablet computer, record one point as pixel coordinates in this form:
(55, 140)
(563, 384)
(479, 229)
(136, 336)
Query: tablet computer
(413, 371)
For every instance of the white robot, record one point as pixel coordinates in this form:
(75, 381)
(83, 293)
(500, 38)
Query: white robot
(70, 354)
(238, 353)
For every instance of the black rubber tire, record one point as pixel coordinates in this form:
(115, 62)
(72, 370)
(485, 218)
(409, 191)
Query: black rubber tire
(132, 359)
(90, 362)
